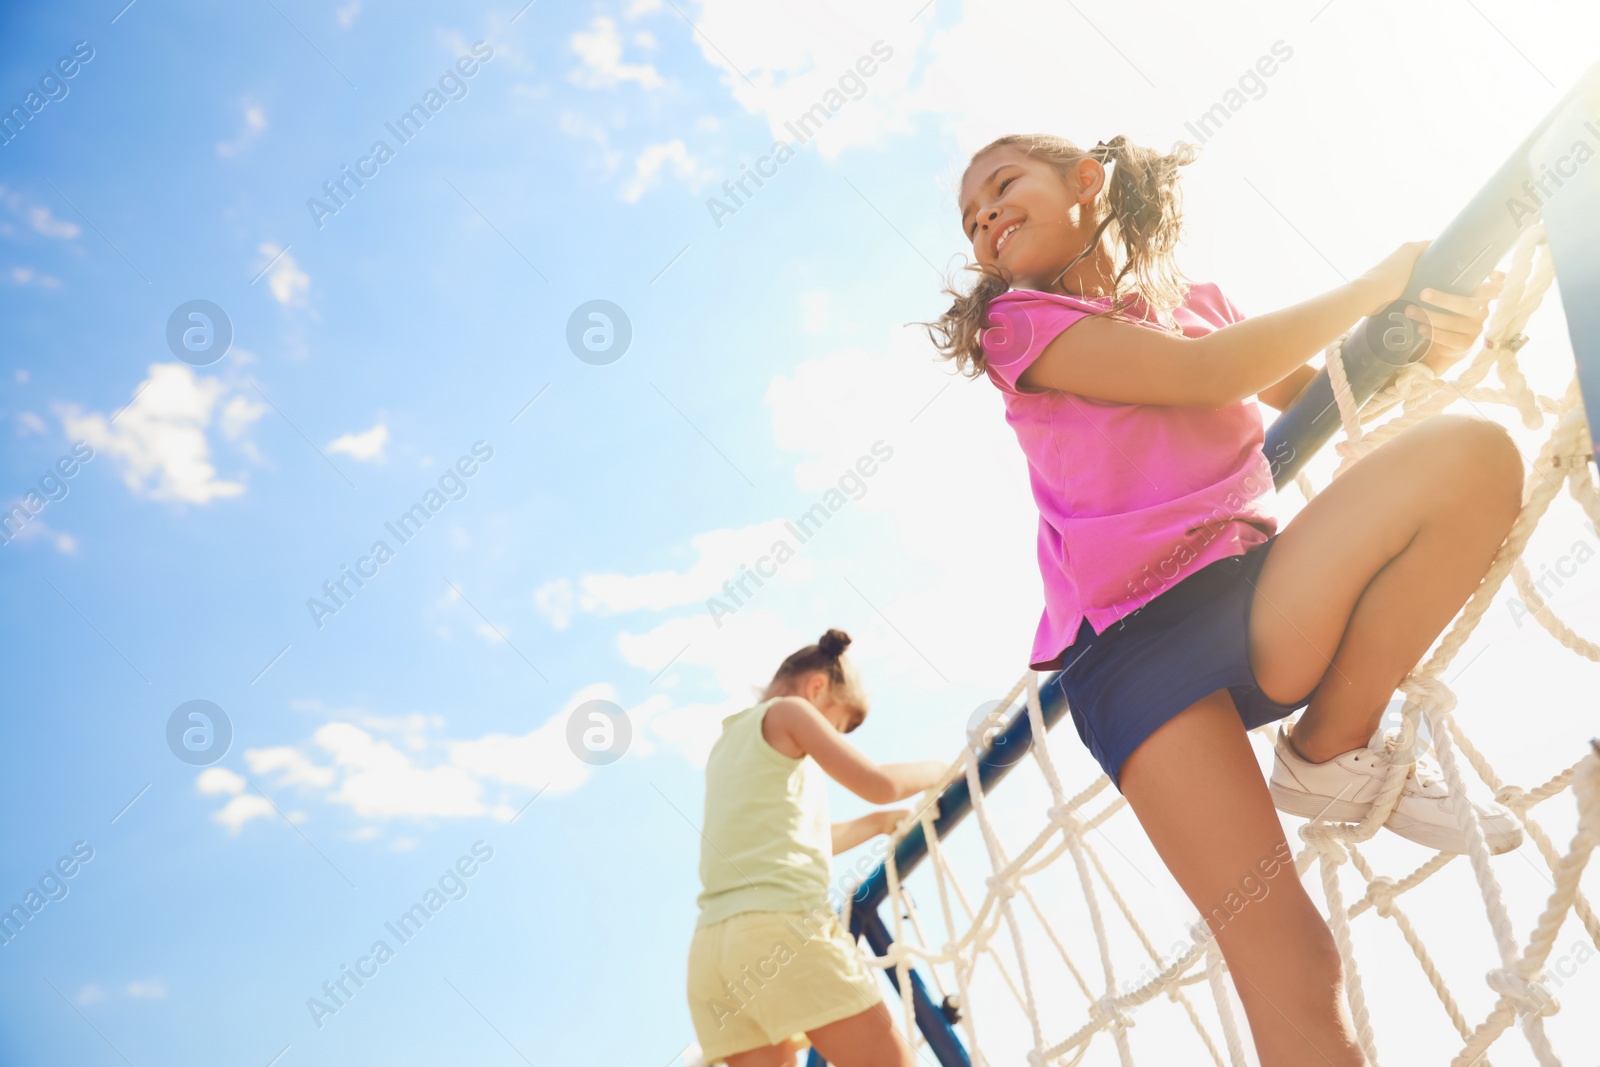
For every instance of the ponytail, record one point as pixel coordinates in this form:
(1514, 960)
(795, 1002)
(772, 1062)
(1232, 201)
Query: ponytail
(1145, 205)
(823, 656)
(1142, 214)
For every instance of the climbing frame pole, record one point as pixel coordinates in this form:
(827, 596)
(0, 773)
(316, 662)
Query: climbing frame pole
(1567, 158)
(1462, 256)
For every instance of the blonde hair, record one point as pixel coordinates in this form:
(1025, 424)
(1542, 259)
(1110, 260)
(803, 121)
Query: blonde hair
(1143, 212)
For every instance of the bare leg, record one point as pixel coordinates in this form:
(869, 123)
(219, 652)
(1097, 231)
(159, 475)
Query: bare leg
(1356, 589)
(867, 1039)
(1371, 571)
(1197, 790)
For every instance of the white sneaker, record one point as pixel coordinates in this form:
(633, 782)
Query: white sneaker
(1344, 789)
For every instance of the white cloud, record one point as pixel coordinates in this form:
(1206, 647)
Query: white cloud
(346, 14)
(491, 776)
(241, 809)
(30, 276)
(150, 989)
(36, 216)
(239, 413)
(796, 56)
(580, 128)
(723, 557)
(289, 284)
(653, 160)
(219, 781)
(364, 446)
(153, 989)
(693, 728)
(740, 655)
(37, 528)
(160, 437)
(538, 758)
(555, 601)
(214, 780)
(814, 311)
(954, 491)
(291, 766)
(251, 124)
(29, 423)
(380, 782)
(42, 221)
(600, 48)
(640, 8)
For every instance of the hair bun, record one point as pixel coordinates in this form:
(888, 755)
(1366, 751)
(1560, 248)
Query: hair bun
(833, 643)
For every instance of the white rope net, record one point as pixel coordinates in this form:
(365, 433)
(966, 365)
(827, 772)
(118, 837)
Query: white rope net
(1015, 954)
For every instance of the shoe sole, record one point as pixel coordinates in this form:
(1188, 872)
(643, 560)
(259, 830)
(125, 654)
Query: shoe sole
(1308, 806)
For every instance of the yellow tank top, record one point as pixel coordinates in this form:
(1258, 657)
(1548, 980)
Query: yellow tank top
(768, 841)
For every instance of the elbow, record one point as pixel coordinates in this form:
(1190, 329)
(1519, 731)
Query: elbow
(1223, 398)
(881, 791)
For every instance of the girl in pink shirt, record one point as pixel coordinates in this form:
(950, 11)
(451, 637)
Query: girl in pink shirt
(1178, 614)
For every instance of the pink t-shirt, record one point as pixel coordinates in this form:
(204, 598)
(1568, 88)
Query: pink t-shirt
(1132, 497)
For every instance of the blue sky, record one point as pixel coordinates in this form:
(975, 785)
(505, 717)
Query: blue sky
(374, 347)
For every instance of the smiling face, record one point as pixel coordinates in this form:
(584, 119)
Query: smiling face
(1021, 215)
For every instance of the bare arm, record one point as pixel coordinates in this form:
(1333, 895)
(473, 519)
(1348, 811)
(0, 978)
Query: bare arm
(1107, 359)
(795, 721)
(847, 835)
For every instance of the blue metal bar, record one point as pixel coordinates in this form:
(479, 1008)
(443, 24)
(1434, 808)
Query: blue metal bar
(1571, 207)
(1002, 753)
(930, 1017)
(931, 1020)
(1457, 261)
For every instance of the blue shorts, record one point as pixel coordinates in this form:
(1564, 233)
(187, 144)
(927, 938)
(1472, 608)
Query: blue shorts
(1124, 683)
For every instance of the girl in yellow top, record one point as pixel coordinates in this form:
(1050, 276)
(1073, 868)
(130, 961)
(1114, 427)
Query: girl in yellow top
(769, 961)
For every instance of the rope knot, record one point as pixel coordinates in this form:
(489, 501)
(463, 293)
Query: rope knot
(1532, 997)
(1415, 383)
(1382, 892)
(1004, 888)
(1321, 837)
(1431, 692)
(894, 956)
(1514, 797)
(1065, 817)
(1107, 1010)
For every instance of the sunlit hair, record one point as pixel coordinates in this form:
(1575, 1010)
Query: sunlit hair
(1140, 213)
(827, 655)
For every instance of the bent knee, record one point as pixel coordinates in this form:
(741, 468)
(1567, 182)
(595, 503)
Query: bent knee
(1479, 457)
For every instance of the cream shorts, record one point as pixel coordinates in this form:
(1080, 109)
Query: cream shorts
(761, 977)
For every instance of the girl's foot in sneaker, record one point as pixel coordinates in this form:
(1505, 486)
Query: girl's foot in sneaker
(1344, 789)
